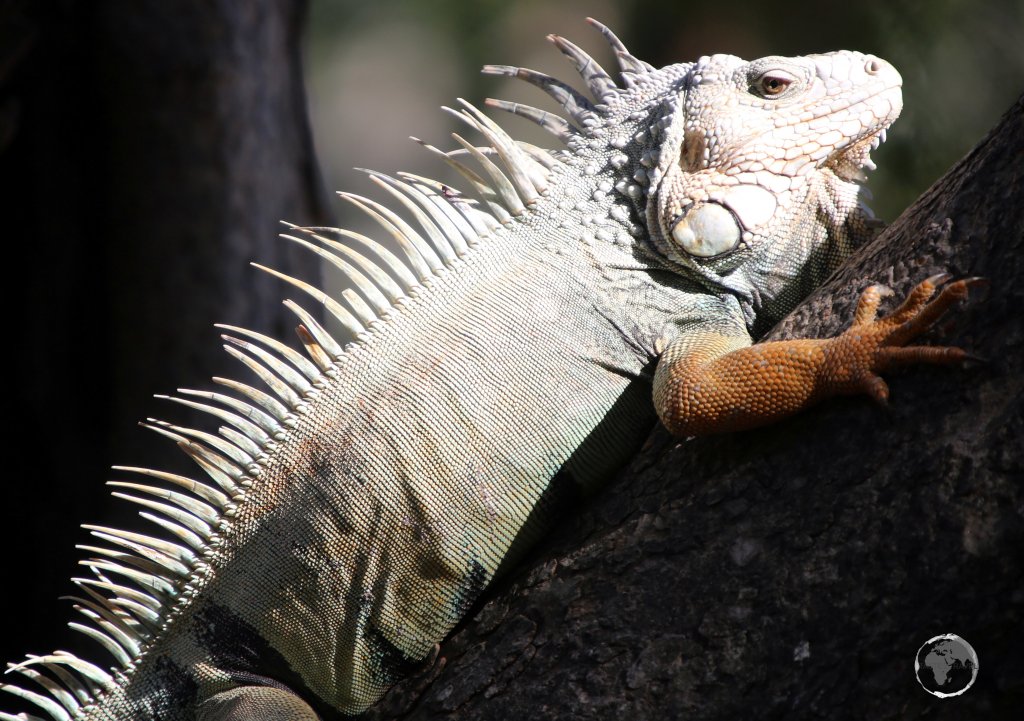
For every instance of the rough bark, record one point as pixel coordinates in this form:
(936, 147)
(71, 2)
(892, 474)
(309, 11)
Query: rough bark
(794, 571)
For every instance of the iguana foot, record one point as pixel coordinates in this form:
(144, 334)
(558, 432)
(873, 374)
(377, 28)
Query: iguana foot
(872, 345)
(707, 382)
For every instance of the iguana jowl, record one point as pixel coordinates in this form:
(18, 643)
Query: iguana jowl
(499, 363)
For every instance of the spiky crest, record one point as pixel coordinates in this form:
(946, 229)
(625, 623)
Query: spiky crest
(153, 573)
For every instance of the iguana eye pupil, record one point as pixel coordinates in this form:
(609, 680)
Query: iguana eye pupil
(772, 85)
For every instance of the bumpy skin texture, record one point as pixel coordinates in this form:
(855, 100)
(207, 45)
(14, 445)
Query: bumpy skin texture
(708, 385)
(357, 507)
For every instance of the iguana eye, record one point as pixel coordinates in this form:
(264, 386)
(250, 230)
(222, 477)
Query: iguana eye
(773, 83)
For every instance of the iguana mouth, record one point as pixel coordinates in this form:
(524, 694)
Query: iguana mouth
(851, 161)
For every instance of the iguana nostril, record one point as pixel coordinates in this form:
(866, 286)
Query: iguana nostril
(872, 66)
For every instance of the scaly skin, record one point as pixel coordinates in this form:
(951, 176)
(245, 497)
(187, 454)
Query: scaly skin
(496, 370)
(712, 387)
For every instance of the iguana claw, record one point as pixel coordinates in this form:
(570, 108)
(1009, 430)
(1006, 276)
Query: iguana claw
(872, 345)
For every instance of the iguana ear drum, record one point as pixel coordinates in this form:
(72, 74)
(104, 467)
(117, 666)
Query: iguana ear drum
(707, 230)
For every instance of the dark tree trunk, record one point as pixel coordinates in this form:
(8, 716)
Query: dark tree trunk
(794, 571)
(148, 150)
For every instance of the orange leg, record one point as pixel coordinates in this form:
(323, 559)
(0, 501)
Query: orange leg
(715, 382)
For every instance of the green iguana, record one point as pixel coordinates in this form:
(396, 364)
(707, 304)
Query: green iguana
(498, 361)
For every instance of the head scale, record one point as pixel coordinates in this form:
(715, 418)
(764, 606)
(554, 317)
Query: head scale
(763, 159)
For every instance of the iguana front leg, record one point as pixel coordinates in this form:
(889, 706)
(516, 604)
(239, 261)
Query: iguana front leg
(710, 382)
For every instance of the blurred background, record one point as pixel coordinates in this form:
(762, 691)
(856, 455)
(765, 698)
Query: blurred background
(148, 150)
(378, 71)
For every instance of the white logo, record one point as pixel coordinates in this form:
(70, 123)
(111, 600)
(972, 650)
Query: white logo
(946, 665)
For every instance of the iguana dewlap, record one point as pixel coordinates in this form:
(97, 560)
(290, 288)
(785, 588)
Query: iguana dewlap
(497, 361)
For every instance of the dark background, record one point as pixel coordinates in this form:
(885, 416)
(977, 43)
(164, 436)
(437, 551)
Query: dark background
(148, 149)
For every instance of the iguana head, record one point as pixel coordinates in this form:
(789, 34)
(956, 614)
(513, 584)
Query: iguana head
(759, 165)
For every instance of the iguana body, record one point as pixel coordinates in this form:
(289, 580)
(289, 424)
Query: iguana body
(500, 368)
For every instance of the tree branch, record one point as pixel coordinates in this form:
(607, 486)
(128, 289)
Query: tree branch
(794, 571)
